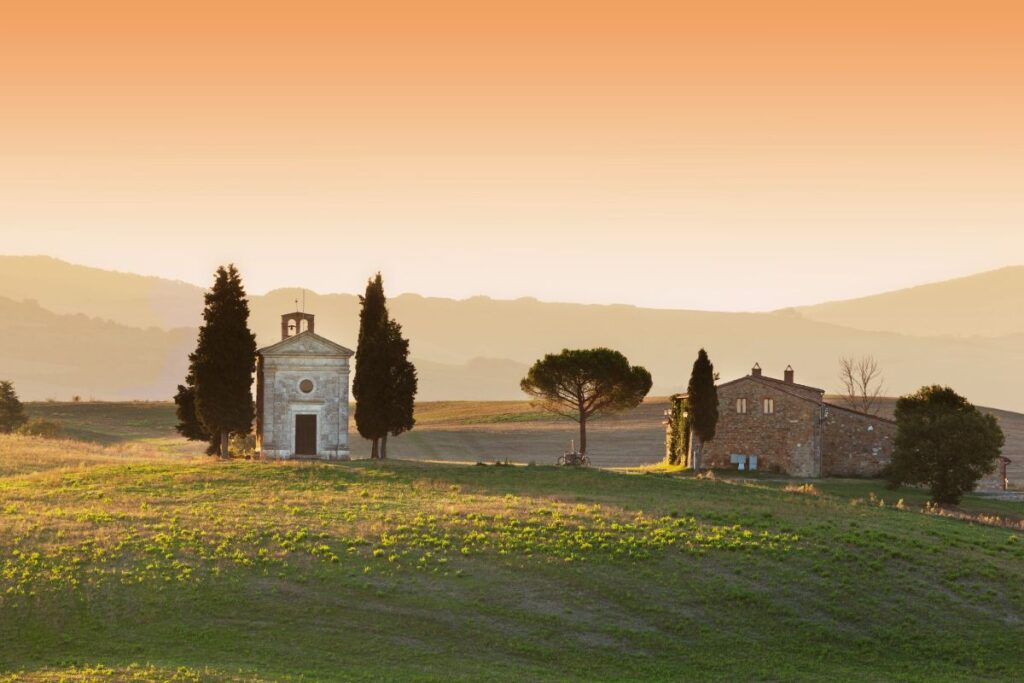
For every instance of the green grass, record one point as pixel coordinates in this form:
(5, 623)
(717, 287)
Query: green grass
(192, 569)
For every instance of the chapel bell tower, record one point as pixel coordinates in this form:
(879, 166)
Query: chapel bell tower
(295, 323)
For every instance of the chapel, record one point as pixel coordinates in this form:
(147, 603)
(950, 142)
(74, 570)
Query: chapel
(302, 394)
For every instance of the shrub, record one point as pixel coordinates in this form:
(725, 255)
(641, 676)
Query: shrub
(943, 442)
(242, 445)
(808, 489)
(12, 412)
(679, 431)
(37, 426)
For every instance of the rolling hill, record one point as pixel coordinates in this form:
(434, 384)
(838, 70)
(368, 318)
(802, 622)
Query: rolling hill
(476, 348)
(125, 298)
(124, 564)
(984, 305)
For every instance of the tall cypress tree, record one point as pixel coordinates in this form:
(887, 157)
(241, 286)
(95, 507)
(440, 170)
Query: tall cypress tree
(702, 399)
(12, 412)
(402, 385)
(189, 425)
(370, 386)
(224, 361)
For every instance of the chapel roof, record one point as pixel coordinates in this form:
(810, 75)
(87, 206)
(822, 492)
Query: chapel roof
(306, 343)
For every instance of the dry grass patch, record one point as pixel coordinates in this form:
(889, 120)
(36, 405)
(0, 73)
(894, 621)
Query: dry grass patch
(28, 454)
(806, 489)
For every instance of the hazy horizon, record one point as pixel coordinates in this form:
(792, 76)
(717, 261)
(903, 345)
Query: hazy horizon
(391, 294)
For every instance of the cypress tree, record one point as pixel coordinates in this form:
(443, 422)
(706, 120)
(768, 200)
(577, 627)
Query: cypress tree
(371, 384)
(224, 361)
(189, 425)
(402, 385)
(702, 399)
(12, 412)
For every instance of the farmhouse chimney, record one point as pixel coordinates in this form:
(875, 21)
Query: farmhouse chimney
(756, 371)
(789, 374)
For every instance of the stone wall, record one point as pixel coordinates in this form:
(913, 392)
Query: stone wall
(786, 441)
(855, 444)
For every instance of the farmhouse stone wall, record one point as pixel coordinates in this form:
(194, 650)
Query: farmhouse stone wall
(803, 437)
(787, 440)
(855, 444)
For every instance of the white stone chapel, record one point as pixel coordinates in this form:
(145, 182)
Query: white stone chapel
(302, 394)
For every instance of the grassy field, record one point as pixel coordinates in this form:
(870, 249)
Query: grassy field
(128, 561)
(150, 423)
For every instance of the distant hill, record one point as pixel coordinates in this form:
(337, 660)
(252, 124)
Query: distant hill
(453, 332)
(134, 300)
(988, 305)
(476, 348)
(58, 356)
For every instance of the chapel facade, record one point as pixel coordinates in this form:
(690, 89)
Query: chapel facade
(302, 394)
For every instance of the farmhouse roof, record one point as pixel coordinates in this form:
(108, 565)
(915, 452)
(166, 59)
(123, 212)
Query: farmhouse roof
(778, 382)
(784, 387)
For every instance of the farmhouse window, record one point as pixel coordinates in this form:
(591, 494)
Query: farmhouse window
(769, 406)
(741, 406)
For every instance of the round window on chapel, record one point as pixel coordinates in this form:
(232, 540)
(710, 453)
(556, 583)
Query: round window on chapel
(306, 386)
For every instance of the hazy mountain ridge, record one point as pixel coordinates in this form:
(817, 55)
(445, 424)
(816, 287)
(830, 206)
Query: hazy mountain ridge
(476, 348)
(984, 305)
(49, 355)
(126, 298)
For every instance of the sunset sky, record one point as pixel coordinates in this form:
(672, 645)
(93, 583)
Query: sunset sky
(717, 155)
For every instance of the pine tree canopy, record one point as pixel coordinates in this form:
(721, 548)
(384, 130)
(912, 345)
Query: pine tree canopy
(225, 359)
(585, 383)
(12, 412)
(702, 398)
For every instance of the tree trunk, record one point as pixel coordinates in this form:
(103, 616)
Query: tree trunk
(695, 448)
(583, 434)
(375, 449)
(384, 446)
(224, 444)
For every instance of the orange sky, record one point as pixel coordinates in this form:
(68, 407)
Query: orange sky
(781, 152)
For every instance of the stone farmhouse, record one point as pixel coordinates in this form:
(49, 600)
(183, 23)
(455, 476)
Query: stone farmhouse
(302, 394)
(781, 426)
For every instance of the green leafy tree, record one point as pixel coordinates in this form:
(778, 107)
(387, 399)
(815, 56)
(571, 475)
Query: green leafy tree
(702, 398)
(584, 384)
(12, 412)
(224, 361)
(943, 442)
(371, 386)
(402, 385)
